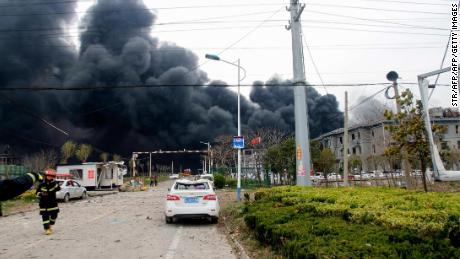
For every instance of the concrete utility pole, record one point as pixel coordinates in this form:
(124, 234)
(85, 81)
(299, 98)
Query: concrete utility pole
(345, 143)
(150, 166)
(300, 104)
(134, 164)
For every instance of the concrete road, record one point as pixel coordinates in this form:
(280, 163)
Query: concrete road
(123, 225)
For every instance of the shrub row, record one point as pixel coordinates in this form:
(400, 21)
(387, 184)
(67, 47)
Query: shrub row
(305, 222)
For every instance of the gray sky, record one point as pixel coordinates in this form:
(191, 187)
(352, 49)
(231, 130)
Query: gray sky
(351, 41)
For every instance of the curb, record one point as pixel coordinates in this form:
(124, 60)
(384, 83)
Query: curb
(241, 250)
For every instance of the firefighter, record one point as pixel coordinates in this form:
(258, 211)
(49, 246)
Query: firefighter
(11, 188)
(46, 192)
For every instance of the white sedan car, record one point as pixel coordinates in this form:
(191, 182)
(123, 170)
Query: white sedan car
(174, 176)
(192, 199)
(69, 190)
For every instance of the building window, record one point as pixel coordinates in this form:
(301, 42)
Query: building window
(352, 136)
(456, 129)
(354, 151)
(372, 133)
(77, 174)
(373, 148)
(341, 140)
(359, 135)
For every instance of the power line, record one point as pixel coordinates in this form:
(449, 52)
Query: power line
(88, 88)
(237, 41)
(368, 98)
(360, 18)
(60, 35)
(32, 114)
(236, 5)
(138, 9)
(378, 9)
(214, 6)
(312, 60)
(208, 20)
(442, 62)
(403, 2)
(27, 138)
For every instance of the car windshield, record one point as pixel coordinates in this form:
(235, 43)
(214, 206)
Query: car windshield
(191, 186)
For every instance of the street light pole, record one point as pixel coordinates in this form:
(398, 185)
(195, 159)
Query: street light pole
(209, 156)
(215, 57)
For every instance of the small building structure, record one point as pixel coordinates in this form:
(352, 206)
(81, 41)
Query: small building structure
(95, 175)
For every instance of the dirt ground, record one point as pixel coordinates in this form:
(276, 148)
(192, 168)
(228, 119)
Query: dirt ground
(123, 225)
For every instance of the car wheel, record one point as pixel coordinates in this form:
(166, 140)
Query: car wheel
(83, 195)
(66, 197)
(168, 220)
(214, 220)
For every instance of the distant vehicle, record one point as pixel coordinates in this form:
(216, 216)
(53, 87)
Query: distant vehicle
(70, 189)
(209, 177)
(187, 172)
(334, 176)
(192, 199)
(174, 176)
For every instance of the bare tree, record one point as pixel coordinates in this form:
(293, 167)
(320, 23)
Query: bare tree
(83, 152)
(41, 160)
(260, 140)
(222, 151)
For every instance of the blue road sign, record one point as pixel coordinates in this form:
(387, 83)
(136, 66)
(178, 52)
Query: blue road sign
(238, 142)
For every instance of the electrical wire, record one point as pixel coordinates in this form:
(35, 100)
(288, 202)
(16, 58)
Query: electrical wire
(31, 113)
(360, 18)
(7, 131)
(403, 2)
(218, 6)
(312, 60)
(237, 41)
(368, 98)
(136, 10)
(90, 88)
(377, 9)
(442, 62)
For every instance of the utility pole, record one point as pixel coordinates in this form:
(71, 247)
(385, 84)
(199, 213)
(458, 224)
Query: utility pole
(393, 77)
(150, 165)
(345, 143)
(209, 158)
(134, 164)
(204, 164)
(302, 141)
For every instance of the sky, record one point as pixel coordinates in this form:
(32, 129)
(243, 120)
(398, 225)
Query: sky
(349, 41)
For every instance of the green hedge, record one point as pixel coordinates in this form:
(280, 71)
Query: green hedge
(304, 222)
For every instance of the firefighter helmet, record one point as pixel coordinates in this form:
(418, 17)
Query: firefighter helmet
(50, 172)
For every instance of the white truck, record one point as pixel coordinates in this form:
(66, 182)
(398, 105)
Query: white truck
(95, 175)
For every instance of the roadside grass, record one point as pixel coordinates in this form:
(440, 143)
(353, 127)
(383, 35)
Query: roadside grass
(305, 222)
(25, 202)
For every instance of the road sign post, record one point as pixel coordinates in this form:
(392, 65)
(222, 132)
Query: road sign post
(238, 142)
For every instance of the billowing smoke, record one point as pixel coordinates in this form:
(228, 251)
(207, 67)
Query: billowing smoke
(117, 49)
(275, 100)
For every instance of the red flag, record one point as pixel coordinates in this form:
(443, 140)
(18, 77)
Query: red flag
(255, 141)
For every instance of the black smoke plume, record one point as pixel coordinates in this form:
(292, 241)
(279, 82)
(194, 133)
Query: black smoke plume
(117, 49)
